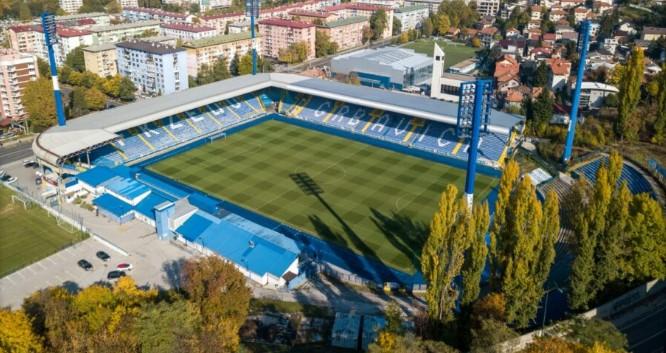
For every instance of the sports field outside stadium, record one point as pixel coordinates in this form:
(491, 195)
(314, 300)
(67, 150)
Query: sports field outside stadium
(373, 200)
(28, 235)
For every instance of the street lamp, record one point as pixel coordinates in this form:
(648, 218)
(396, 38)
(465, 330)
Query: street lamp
(545, 307)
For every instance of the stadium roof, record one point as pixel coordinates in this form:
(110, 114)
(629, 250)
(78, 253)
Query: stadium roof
(95, 129)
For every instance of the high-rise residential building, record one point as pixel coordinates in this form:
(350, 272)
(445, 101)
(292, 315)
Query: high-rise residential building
(208, 50)
(22, 38)
(187, 32)
(70, 6)
(155, 68)
(16, 70)
(351, 9)
(488, 7)
(101, 59)
(346, 32)
(278, 34)
(411, 17)
(68, 40)
(133, 14)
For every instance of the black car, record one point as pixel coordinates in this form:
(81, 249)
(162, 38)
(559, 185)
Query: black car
(103, 256)
(115, 274)
(85, 265)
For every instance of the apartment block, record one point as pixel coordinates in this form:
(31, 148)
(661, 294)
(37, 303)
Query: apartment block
(133, 14)
(101, 59)
(316, 17)
(123, 31)
(411, 17)
(129, 3)
(70, 6)
(206, 51)
(16, 70)
(187, 32)
(222, 21)
(488, 7)
(351, 9)
(69, 39)
(22, 38)
(279, 34)
(347, 32)
(156, 69)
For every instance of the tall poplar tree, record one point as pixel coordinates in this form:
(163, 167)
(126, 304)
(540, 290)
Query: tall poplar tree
(630, 93)
(475, 257)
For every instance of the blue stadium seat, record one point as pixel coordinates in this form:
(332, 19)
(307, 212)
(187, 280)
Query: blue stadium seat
(636, 182)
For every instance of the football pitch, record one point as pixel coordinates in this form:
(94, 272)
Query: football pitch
(374, 201)
(28, 235)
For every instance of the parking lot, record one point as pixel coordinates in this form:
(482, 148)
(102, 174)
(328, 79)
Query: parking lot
(155, 261)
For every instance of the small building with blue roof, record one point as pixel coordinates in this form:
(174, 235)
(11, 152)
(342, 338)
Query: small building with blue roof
(266, 258)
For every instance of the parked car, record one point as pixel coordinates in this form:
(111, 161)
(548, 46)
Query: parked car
(2, 172)
(125, 267)
(29, 163)
(115, 274)
(8, 179)
(103, 256)
(85, 265)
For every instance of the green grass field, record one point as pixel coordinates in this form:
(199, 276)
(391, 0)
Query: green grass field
(455, 52)
(372, 200)
(27, 236)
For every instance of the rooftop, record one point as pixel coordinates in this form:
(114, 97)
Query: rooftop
(306, 13)
(411, 8)
(285, 23)
(217, 40)
(356, 6)
(654, 30)
(122, 26)
(99, 48)
(345, 21)
(395, 57)
(187, 27)
(157, 12)
(149, 47)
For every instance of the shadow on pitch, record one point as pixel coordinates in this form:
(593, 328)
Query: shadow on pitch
(403, 233)
(309, 187)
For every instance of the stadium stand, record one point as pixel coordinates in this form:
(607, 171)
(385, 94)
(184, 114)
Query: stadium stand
(431, 136)
(636, 181)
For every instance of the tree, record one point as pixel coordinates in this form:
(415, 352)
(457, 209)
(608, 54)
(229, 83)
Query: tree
(488, 335)
(443, 253)
(378, 23)
(323, 44)
(295, 53)
(409, 344)
(551, 345)
(39, 103)
(443, 25)
(427, 28)
(459, 13)
(404, 38)
(245, 64)
(168, 327)
(476, 42)
(233, 65)
(16, 334)
(24, 12)
(77, 103)
(588, 332)
(95, 99)
(522, 244)
(541, 111)
(218, 291)
(75, 59)
(660, 119)
(113, 7)
(43, 68)
(475, 258)
(367, 34)
(397, 26)
(126, 90)
(630, 94)
(541, 76)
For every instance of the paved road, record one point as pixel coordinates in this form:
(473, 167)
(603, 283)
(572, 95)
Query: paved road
(15, 152)
(647, 334)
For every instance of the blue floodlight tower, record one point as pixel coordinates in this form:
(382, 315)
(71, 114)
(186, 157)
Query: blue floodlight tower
(583, 41)
(252, 10)
(474, 108)
(51, 38)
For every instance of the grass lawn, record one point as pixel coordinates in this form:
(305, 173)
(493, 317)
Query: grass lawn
(27, 236)
(372, 200)
(455, 52)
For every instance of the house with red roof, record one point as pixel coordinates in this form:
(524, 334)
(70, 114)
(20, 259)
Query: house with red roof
(560, 69)
(507, 73)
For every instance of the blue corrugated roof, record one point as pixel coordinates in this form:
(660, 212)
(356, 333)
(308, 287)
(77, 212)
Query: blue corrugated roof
(257, 254)
(127, 188)
(113, 205)
(194, 227)
(147, 205)
(96, 176)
